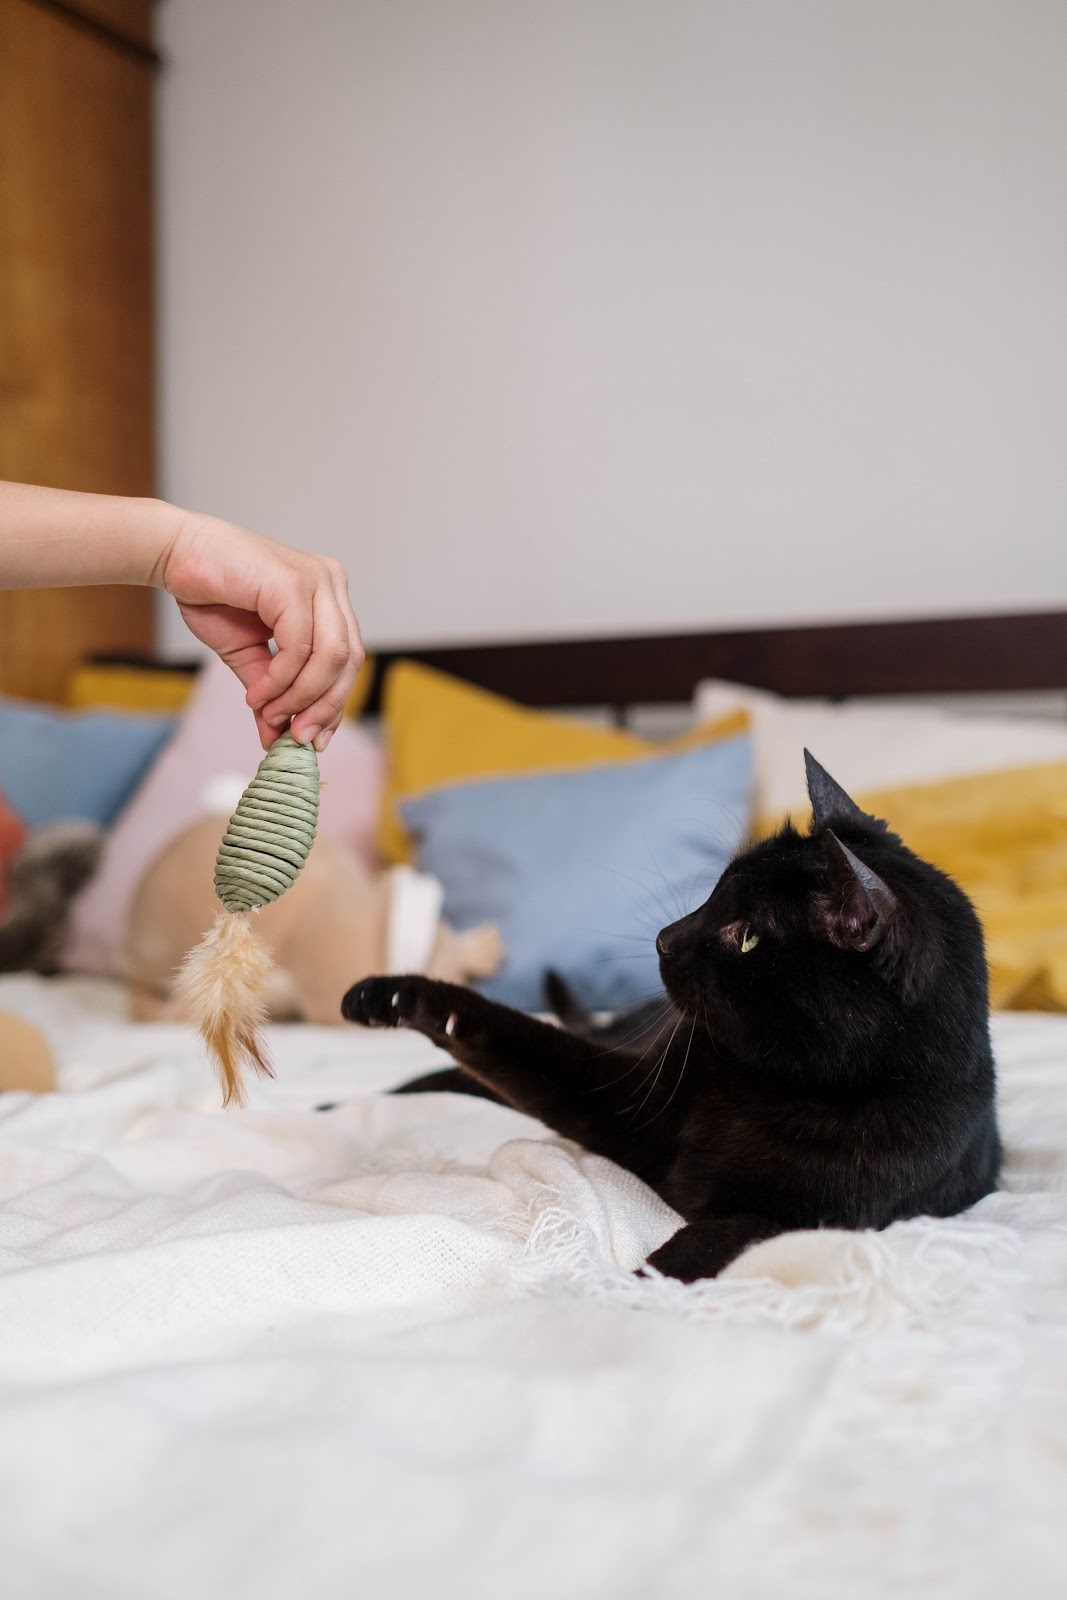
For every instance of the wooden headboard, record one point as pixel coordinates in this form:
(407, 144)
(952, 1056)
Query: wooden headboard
(938, 655)
(978, 655)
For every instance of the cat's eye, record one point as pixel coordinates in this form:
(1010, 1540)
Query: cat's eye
(748, 940)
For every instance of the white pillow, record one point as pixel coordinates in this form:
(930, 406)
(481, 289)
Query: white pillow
(867, 746)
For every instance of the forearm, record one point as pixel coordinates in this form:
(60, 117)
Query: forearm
(55, 538)
(238, 592)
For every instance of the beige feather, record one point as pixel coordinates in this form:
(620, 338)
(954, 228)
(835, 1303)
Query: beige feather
(224, 983)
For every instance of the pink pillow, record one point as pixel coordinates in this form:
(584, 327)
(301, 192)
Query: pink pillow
(216, 742)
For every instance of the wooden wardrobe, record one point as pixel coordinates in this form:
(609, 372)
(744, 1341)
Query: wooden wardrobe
(76, 301)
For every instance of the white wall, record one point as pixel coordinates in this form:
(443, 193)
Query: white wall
(602, 315)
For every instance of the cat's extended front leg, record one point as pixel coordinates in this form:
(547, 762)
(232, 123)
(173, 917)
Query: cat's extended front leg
(702, 1249)
(559, 1077)
(536, 1067)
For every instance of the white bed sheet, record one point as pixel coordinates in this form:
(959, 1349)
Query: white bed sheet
(398, 1350)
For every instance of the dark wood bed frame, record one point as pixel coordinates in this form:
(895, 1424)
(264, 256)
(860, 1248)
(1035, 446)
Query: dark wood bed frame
(978, 655)
(941, 655)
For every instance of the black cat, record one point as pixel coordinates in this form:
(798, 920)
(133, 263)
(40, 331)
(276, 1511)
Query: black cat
(827, 1061)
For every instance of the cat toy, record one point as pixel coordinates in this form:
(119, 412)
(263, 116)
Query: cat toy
(224, 980)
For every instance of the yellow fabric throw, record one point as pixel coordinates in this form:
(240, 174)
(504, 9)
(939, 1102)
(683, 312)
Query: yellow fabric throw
(1003, 837)
(440, 730)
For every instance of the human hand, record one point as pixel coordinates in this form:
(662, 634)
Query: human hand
(237, 590)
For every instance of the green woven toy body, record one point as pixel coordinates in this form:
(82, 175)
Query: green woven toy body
(269, 836)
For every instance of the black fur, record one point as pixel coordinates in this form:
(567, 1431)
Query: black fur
(824, 1060)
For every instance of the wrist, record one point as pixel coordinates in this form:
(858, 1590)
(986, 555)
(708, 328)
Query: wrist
(188, 543)
(151, 529)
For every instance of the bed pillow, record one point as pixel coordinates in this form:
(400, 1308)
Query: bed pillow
(440, 730)
(216, 748)
(56, 765)
(1003, 837)
(135, 687)
(579, 870)
(129, 687)
(870, 746)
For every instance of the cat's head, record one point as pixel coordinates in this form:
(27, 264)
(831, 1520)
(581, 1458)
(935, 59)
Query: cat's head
(822, 940)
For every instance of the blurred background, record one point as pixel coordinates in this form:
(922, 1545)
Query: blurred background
(554, 320)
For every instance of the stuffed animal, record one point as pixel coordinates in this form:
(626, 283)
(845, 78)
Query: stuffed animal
(25, 1059)
(44, 873)
(42, 878)
(338, 922)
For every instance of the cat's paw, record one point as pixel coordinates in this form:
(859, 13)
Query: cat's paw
(683, 1258)
(423, 1004)
(702, 1249)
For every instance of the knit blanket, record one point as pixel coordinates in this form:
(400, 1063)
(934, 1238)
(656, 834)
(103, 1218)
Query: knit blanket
(399, 1349)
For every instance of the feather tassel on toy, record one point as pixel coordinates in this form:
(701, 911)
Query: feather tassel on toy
(267, 840)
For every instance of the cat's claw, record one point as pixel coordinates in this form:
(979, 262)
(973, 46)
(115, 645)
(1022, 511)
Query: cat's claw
(420, 1003)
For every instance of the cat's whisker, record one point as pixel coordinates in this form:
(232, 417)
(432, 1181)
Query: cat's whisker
(649, 892)
(685, 1062)
(672, 890)
(617, 1045)
(657, 1034)
(655, 1073)
(648, 940)
(642, 1029)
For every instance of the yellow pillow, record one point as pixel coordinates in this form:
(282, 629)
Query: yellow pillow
(129, 688)
(361, 689)
(440, 730)
(1003, 837)
(165, 689)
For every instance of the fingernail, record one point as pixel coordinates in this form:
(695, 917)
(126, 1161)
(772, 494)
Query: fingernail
(276, 722)
(308, 735)
(323, 740)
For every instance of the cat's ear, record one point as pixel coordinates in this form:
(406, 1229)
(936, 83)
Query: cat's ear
(829, 802)
(859, 905)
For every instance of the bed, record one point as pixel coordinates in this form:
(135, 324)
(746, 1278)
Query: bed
(399, 1348)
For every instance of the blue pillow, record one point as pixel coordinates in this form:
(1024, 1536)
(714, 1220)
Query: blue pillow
(55, 765)
(580, 870)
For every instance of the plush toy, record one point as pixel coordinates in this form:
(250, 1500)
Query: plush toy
(42, 877)
(337, 922)
(25, 1059)
(43, 873)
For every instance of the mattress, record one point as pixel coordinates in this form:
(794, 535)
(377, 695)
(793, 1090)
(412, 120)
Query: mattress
(398, 1348)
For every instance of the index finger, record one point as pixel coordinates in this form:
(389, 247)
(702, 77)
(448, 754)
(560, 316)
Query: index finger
(294, 635)
(332, 661)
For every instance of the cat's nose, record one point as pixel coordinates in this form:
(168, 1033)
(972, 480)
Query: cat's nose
(671, 940)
